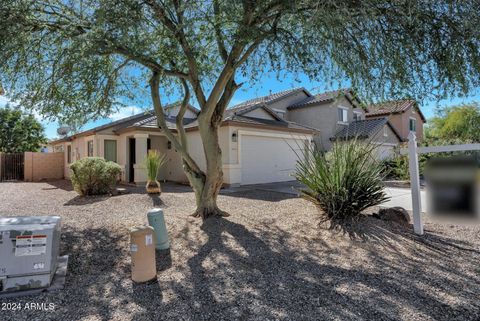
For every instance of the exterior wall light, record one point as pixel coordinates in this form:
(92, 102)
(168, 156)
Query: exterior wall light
(234, 137)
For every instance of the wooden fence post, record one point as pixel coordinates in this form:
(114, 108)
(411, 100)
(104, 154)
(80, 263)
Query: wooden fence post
(415, 183)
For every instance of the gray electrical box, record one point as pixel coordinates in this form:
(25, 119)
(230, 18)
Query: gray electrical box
(29, 248)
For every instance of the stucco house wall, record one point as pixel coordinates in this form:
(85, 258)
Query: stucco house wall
(324, 118)
(400, 121)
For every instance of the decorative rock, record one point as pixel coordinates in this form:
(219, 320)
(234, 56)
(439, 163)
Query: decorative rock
(394, 214)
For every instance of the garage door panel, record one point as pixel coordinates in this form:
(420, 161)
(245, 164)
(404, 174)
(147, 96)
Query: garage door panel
(268, 159)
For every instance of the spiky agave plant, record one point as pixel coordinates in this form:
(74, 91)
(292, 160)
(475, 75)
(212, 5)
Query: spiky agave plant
(153, 162)
(342, 182)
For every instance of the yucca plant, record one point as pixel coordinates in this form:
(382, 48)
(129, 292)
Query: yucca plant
(342, 182)
(153, 162)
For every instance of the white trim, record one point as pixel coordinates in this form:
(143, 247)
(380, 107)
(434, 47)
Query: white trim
(140, 135)
(269, 134)
(441, 149)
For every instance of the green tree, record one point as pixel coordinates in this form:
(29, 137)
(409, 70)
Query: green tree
(19, 132)
(456, 123)
(77, 59)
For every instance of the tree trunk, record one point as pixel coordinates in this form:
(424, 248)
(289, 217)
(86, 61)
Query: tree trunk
(207, 186)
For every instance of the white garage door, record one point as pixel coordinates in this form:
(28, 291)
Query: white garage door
(385, 152)
(268, 159)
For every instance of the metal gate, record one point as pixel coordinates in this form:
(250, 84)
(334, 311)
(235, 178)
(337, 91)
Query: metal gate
(11, 167)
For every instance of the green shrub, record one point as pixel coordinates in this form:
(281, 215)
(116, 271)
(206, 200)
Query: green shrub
(94, 176)
(396, 168)
(343, 182)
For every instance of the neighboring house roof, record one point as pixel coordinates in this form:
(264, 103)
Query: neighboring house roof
(327, 97)
(364, 129)
(393, 107)
(266, 100)
(176, 104)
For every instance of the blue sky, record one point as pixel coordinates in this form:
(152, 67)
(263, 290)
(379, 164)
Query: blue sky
(268, 83)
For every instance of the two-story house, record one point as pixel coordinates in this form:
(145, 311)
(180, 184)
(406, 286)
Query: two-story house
(334, 114)
(405, 115)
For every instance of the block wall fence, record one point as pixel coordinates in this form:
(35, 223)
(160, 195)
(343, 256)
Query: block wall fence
(43, 166)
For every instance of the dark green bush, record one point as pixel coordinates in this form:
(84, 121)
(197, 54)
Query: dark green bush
(94, 176)
(396, 168)
(343, 182)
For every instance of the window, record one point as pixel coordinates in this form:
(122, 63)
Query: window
(69, 154)
(357, 115)
(90, 148)
(342, 115)
(413, 124)
(385, 132)
(110, 150)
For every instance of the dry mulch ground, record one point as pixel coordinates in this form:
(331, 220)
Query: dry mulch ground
(269, 260)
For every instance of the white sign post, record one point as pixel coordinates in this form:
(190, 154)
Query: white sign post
(413, 151)
(415, 184)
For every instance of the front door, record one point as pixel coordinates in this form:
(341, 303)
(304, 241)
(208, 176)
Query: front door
(131, 162)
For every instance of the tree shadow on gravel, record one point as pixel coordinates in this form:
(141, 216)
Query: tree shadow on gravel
(62, 184)
(251, 280)
(257, 273)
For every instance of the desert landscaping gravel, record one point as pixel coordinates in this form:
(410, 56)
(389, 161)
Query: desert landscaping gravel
(268, 261)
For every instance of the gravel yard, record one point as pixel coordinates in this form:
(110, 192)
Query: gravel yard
(267, 261)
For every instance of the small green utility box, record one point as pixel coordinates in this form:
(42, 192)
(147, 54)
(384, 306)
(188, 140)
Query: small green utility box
(157, 221)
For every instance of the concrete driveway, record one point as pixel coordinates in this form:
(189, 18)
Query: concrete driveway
(398, 196)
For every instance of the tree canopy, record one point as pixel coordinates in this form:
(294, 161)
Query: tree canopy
(78, 60)
(460, 123)
(19, 132)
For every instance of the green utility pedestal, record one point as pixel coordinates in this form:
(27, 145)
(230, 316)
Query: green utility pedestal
(157, 221)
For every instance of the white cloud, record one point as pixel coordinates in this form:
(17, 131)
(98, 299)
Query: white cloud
(125, 112)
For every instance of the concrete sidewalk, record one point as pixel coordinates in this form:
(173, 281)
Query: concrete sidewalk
(403, 197)
(398, 196)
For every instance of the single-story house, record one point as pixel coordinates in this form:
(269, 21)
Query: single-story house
(258, 145)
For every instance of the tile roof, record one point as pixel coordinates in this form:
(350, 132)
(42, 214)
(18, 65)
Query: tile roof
(392, 107)
(151, 122)
(320, 98)
(268, 122)
(265, 100)
(361, 129)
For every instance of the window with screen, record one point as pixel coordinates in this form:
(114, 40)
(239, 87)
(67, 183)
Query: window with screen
(90, 148)
(110, 150)
(342, 115)
(413, 124)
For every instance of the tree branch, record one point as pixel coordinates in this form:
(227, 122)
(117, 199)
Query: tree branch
(161, 121)
(179, 34)
(181, 114)
(218, 32)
